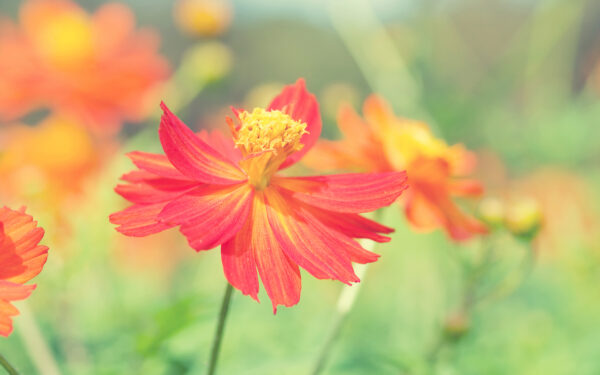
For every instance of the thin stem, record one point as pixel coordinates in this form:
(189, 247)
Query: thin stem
(7, 366)
(514, 280)
(468, 300)
(34, 342)
(344, 305)
(214, 354)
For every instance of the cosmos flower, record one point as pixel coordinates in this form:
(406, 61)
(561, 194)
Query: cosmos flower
(382, 142)
(57, 150)
(21, 259)
(96, 68)
(229, 192)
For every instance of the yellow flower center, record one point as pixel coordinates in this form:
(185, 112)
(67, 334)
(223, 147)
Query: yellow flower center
(264, 130)
(266, 138)
(66, 39)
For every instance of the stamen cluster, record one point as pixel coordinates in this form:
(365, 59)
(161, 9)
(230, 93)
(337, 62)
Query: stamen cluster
(264, 130)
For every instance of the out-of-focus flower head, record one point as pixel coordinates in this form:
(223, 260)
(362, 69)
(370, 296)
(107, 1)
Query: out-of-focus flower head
(384, 142)
(229, 192)
(47, 162)
(523, 217)
(520, 215)
(203, 17)
(21, 259)
(491, 212)
(94, 67)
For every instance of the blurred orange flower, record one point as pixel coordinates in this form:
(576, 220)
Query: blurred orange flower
(48, 161)
(383, 142)
(96, 68)
(54, 156)
(21, 259)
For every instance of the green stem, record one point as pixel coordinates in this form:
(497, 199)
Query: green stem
(514, 280)
(214, 354)
(7, 366)
(469, 298)
(344, 306)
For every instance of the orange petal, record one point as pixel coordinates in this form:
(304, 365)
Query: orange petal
(10, 292)
(429, 203)
(21, 256)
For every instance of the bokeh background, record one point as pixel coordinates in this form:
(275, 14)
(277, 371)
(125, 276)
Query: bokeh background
(518, 81)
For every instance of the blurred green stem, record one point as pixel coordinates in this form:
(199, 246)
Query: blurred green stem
(344, 306)
(514, 280)
(214, 354)
(469, 298)
(7, 366)
(34, 342)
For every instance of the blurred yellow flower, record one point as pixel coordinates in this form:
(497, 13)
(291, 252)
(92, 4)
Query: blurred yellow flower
(203, 17)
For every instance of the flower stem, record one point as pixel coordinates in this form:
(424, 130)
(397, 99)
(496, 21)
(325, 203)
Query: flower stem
(34, 342)
(7, 366)
(344, 306)
(214, 354)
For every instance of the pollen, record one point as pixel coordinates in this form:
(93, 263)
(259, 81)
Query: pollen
(263, 130)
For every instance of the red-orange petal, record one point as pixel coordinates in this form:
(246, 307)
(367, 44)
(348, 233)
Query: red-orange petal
(222, 143)
(238, 261)
(153, 190)
(192, 156)
(11, 292)
(210, 215)
(21, 256)
(352, 225)
(312, 247)
(300, 105)
(156, 164)
(279, 274)
(352, 193)
(140, 220)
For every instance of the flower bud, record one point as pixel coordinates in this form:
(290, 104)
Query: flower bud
(523, 218)
(456, 325)
(491, 212)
